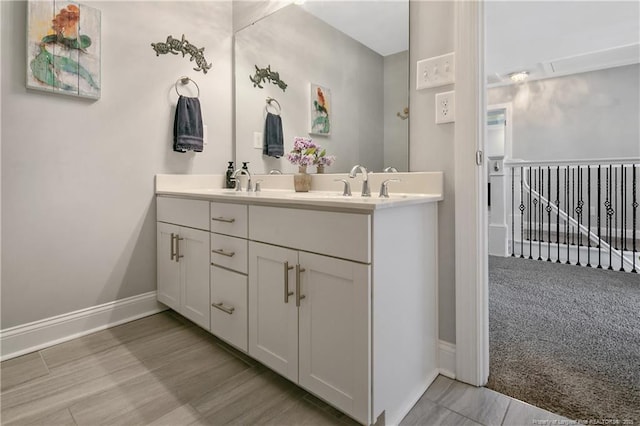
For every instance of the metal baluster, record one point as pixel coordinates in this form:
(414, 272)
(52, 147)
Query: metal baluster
(513, 231)
(529, 226)
(589, 216)
(578, 211)
(609, 213)
(622, 239)
(540, 187)
(566, 209)
(573, 200)
(615, 206)
(532, 185)
(521, 215)
(599, 230)
(622, 224)
(635, 211)
(548, 214)
(558, 212)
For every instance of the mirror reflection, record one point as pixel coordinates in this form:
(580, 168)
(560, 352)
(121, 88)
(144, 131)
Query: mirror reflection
(336, 72)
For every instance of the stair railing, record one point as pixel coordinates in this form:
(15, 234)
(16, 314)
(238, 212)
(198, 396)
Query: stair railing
(536, 176)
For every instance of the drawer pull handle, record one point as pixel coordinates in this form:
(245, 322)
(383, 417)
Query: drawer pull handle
(287, 293)
(299, 296)
(173, 254)
(223, 219)
(178, 255)
(224, 253)
(229, 310)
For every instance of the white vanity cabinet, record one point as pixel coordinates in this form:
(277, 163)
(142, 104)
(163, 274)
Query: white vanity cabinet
(183, 254)
(338, 298)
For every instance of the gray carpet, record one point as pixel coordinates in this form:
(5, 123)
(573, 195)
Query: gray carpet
(565, 338)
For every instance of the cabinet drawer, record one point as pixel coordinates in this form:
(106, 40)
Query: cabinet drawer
(229, 219)
(229, 252)
(182, 211)
(229, 320)
(343, 235)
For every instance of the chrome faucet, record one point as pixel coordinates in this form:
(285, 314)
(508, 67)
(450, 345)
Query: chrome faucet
(390, 170)
(275, 172)
(366, 191)
(238, 183)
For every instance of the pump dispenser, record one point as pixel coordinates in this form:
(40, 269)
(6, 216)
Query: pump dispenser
(229, 180)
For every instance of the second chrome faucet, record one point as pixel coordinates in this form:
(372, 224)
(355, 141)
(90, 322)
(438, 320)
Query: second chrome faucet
(366, 190)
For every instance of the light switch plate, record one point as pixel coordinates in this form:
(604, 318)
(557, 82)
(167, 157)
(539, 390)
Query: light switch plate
(446, 107)
(436, 71)
(257, 140)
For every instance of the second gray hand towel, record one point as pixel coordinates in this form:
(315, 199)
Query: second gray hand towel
(273, 145)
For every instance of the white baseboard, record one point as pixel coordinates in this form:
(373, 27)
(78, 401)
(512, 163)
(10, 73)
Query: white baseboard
(447, 359)
(22, 339)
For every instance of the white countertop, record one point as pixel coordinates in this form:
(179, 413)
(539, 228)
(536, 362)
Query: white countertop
(288, 198)
(277, 190)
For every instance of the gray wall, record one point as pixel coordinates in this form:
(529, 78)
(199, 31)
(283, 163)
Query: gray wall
(78, 210)
(396, 98)
(583, 116)
(304, 49)
(79, 205)
(431, 146)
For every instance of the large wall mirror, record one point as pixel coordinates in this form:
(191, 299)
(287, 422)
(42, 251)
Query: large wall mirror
(357, 52)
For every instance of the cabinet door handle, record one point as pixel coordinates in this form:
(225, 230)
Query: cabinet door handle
(223, 219)
(173, 254)
(299, 296)
(224, 253)
(287, 293)
(178, 255)
(229, 310)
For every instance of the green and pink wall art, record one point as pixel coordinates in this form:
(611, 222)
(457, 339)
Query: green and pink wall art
(63, 48)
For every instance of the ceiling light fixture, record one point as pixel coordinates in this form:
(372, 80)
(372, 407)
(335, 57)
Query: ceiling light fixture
(519, 76)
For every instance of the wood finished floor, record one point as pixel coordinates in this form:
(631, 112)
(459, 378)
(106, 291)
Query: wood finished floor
(163, 370)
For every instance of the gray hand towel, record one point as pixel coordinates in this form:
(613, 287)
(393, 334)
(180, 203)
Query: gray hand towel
(187, 126)
(273, 144)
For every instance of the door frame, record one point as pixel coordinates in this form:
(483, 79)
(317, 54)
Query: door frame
(471, 247)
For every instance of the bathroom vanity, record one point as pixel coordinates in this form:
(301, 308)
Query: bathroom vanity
(337, 294)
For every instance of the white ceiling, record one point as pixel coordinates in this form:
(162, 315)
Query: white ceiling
(535, 35)
(382, 26)
(546, 38)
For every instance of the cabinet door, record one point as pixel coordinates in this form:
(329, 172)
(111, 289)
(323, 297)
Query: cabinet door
(334, 332)
(193, 247)
(168, 269)
(273, 323)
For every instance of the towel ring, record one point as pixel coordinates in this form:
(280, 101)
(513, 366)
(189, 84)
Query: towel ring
(186, 80)
(269, 101)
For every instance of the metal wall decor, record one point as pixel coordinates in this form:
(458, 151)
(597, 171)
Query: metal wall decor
(175, 46)
(266, 75)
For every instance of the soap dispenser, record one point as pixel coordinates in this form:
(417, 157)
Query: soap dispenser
(245, 166)
(229, 180)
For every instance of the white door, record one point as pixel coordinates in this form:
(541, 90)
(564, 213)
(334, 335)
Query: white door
(273, 315)
(334, 332)
(168, 268)
(193, 249)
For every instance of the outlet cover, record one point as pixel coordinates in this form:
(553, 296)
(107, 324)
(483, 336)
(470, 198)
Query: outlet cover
(445, 107)
(436, 71)
(257, 140)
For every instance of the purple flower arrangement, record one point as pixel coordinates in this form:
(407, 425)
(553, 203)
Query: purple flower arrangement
(305, 152)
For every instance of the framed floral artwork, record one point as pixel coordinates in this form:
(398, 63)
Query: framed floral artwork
(320, 110)
(63, 48)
